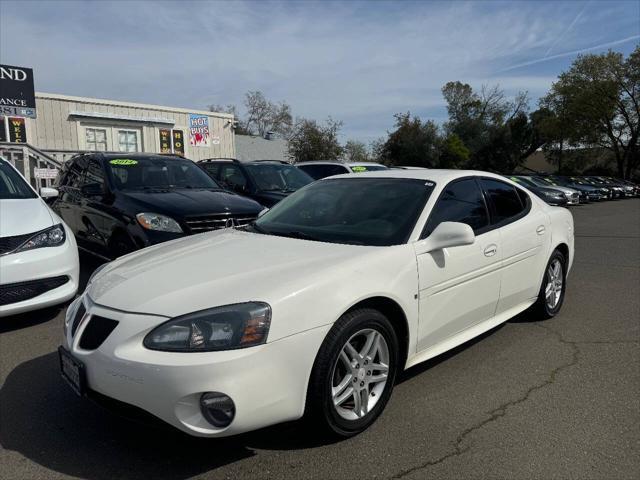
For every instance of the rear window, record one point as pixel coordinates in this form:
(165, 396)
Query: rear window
(322, 171)
(505, 199)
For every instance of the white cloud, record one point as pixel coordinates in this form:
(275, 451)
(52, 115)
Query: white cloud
(359, 62)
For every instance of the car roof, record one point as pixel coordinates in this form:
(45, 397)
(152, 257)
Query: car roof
(131, 155)
(434, 175)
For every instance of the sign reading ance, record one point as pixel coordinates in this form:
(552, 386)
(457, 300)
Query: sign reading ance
(17, 94)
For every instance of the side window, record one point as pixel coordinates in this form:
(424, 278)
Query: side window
(524, 198)
(232, 176)
(460, 201)
(94, 174)
(505, 199)
(213, 169)
(322, 171)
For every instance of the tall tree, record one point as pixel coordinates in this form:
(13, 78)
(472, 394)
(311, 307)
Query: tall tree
(266, 116)
(312, 141)
(600, 95)
(453, 153)
(356, 151)
(412, 143)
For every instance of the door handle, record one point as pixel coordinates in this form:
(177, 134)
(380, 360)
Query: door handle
(540, 230)
(490, 251)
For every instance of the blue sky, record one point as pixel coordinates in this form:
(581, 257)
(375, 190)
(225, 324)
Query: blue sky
(359, 62)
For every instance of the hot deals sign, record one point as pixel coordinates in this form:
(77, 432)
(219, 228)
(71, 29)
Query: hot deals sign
(199, 135)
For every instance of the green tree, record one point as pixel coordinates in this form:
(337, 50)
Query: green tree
(453, 154)
(312, 141)
(598, 98)
(412, 143)
(356, 151)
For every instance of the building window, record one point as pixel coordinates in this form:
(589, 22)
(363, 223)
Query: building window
(96, 139)
(128, 140)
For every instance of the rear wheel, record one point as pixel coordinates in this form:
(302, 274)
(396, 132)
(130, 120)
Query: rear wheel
(354, 373)
(553, 287)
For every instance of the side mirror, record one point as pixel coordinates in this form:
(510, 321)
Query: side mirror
(446, 235)
(263, 211)
(46, 192)
(92, 190)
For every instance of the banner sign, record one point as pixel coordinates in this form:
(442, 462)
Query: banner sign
(3, 129)
(199, 130)
(17, 130)
(17, 93)
(51, 173)
(178, 142)
(165, 140)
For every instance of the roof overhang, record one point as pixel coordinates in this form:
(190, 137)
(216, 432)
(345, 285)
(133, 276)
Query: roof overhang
(121, 118)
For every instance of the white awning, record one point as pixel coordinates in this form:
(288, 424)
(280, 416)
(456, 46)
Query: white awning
(126, 118)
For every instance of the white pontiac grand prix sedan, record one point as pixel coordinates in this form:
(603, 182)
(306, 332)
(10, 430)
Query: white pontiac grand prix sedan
(316, 307)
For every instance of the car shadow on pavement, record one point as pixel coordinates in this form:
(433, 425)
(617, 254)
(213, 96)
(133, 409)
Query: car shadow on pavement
(29, 319)
(44, 421)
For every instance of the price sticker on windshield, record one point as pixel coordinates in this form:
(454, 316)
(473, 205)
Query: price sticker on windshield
(123, 161)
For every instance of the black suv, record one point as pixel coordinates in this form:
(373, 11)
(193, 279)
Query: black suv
(117, 203)
(266, 181)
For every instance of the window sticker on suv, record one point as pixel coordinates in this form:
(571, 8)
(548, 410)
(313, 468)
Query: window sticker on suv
(123, 161)
(358, 169)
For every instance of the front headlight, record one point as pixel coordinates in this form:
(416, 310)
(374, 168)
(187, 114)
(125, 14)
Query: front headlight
(221, 328)
(160, 223)
(50, 237)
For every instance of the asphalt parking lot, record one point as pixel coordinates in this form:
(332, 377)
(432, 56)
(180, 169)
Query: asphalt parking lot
(554, 399)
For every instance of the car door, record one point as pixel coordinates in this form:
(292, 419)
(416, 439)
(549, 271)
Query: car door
(95, 222)
(525, 236)
(459, 286)
(68, 202)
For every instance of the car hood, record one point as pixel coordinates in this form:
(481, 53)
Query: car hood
(216, 268)
(19, 217)
(178, 203)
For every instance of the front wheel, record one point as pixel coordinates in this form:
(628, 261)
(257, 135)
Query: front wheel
(354, 373)
(553, 287)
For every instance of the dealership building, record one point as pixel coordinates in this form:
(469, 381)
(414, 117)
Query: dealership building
(67, 125)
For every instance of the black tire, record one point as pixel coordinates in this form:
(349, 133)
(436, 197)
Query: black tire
(320, 409)
(542, 309)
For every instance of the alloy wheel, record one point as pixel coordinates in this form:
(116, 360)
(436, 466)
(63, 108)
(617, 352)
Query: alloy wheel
(360, 374)
(553, 290)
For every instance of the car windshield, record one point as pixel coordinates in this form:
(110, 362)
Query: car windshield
(12, 185)
(278, 177)
(357, 211)
(158, 172)
(367, 168)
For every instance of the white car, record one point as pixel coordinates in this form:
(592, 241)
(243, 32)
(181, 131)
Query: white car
(319, 304)
(38, 254)
(320, 169)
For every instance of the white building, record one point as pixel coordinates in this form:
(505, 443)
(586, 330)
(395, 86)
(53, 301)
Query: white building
(68, 125)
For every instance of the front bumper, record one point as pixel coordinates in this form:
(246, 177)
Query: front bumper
(38, 264)
(268, 383)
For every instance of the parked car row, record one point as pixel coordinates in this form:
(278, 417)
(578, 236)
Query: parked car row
(572, 190)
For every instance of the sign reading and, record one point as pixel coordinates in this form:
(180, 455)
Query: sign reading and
(17, 94)
(17, 130)
(198, 130)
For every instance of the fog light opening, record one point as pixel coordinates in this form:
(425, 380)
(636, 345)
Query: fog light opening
(217, 408)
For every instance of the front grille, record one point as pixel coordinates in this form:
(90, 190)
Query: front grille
(21, 291)
(76, 320)
(96, 332)
(206, 223)
(9, 244)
